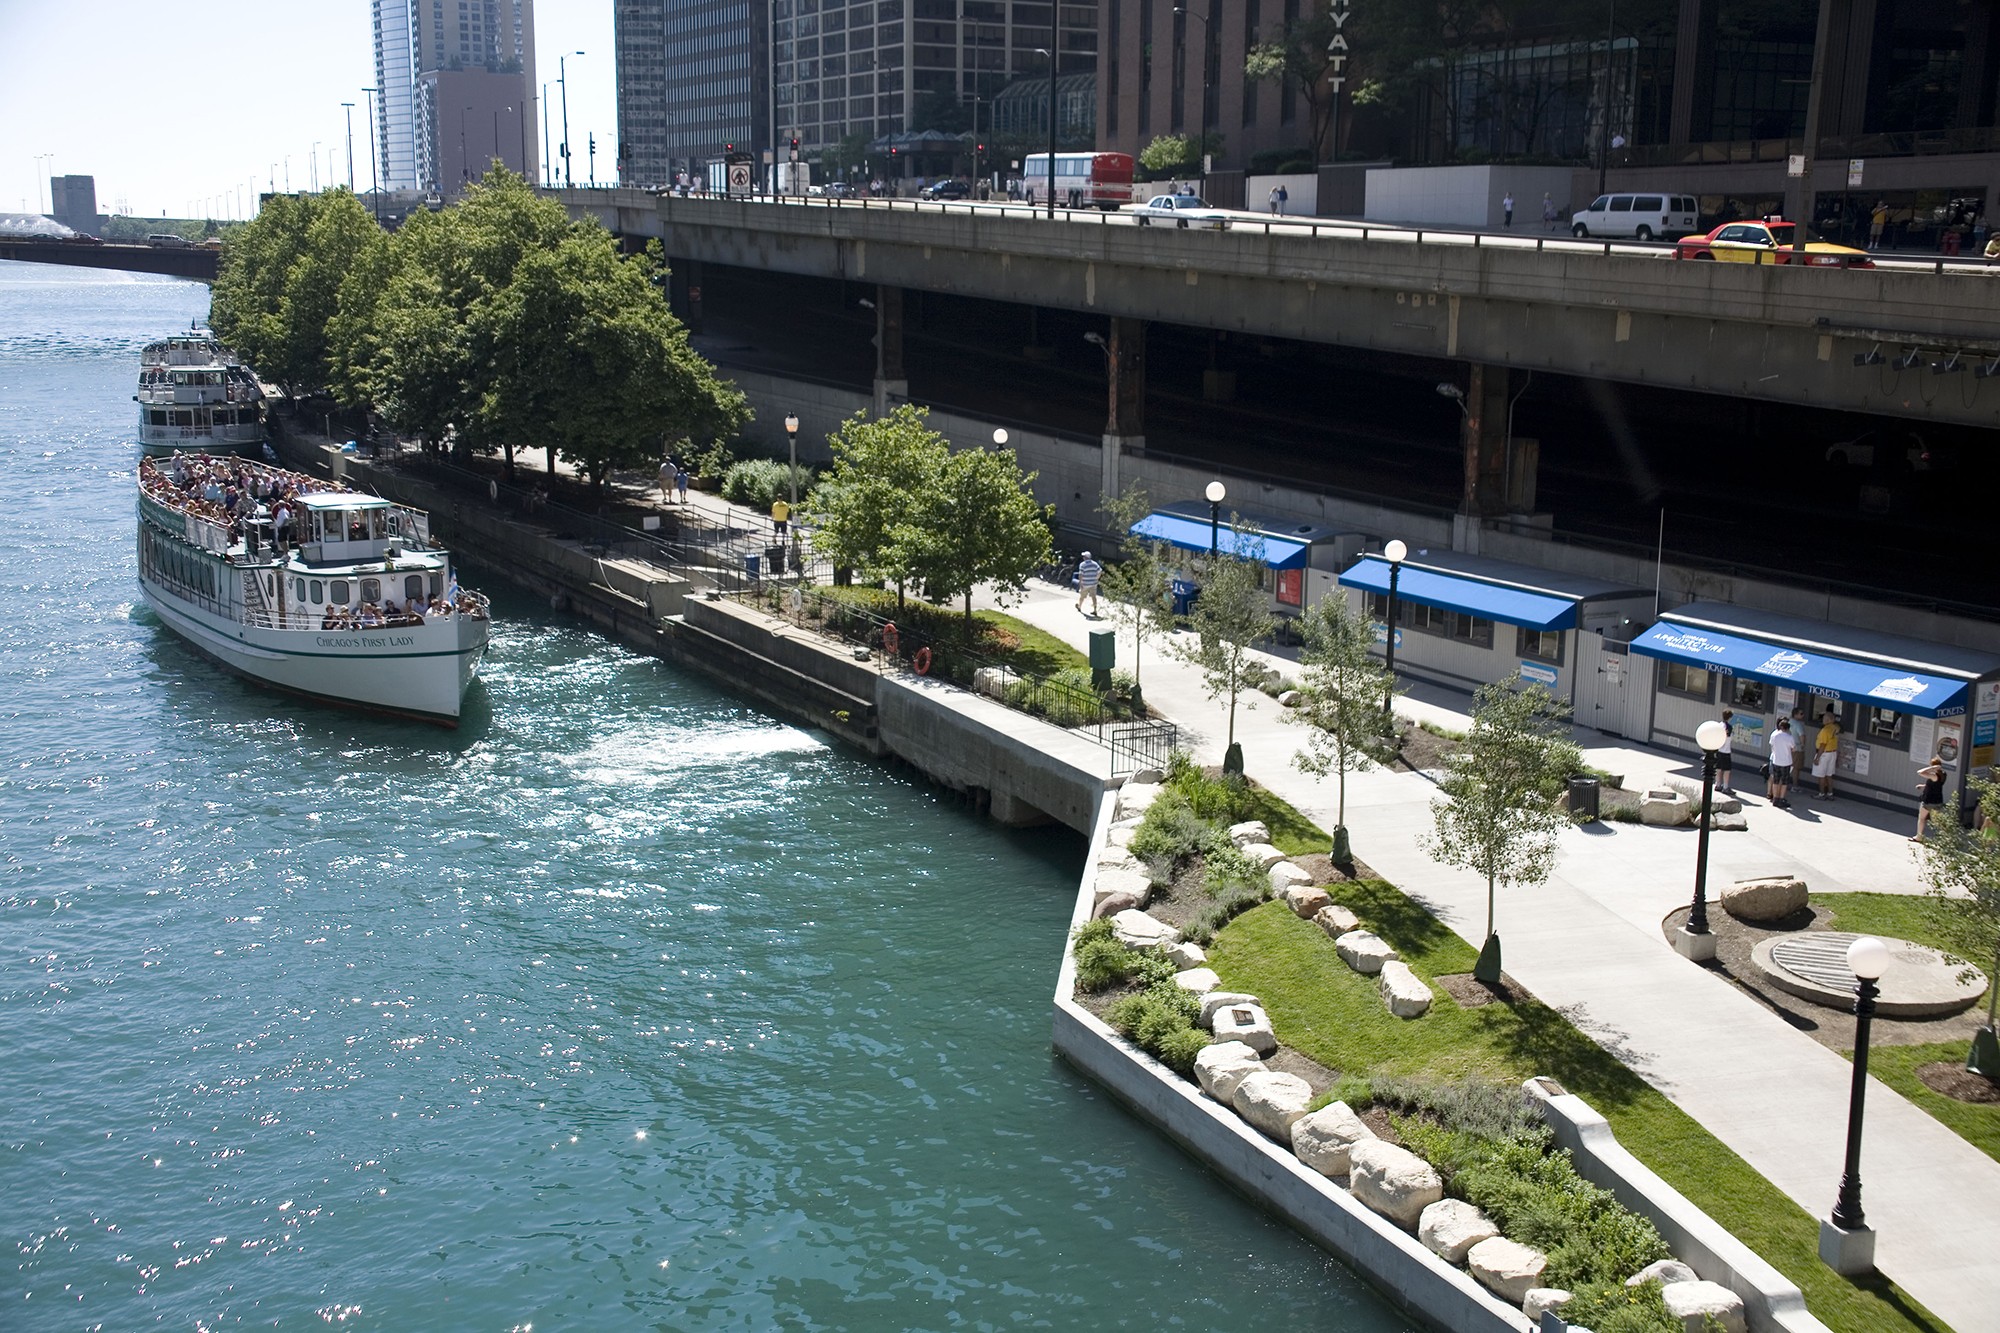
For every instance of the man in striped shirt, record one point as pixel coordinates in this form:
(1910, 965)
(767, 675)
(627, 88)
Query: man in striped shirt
(1087, 575)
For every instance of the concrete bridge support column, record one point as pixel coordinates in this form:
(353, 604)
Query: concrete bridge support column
(1125, 422)
(1484, 439)
(892, 384)
(684, 288)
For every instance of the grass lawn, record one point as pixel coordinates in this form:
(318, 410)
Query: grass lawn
(1004, 638)
(1337, 1017)
(1291, 832)
(1978, 1125)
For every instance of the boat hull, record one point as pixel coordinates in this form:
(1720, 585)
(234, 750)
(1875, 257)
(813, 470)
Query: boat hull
(415, 671)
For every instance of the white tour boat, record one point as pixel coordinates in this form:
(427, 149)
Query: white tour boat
(344, 601)
(195, 394)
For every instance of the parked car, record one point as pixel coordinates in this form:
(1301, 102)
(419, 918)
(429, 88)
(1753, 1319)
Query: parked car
(840, 190)
(1183, 210)
(82, 238)
(167, 240)
(946, 190)
(1770, 241)
(1642, 217)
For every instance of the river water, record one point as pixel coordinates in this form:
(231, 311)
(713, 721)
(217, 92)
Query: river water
(622, 1006)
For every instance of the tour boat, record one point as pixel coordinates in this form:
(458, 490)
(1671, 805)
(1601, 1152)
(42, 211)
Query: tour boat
(346, 601)
(195, 394)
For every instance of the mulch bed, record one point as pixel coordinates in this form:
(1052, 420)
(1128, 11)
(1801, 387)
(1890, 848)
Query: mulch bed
(1959, 1083)
(1470, 993)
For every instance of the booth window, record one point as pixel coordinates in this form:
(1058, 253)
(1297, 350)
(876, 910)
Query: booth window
(1748, 695)
(1692, 681)
(1543, 645)
(1886, 727)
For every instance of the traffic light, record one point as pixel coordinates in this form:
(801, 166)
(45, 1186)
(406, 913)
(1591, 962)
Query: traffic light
(728, 148)
(893, 152)
(979, 148)
(795, 143)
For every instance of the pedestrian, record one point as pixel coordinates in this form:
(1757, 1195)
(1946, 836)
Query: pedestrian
(1930, 793)
(1725, 762)
(1087, 575)
(1784, 748)
(1878, 218)
(681, 481)
(1274, 201)
(781, 516)
(1826, 754)
(1550, 215)
(1284, 197)
(666, 480)
(1507, 208)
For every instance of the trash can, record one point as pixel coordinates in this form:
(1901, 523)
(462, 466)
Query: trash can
(750, 563)
(1583, 794)
(1184, 593)
(1103, 656)
(774, 559)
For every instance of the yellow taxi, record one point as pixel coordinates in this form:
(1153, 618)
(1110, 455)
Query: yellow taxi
(1769, 241)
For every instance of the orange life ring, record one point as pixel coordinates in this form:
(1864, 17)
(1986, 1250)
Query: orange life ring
(892, 642)
(922, 661)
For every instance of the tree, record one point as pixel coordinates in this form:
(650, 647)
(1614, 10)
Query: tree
(1500, 805)
(1177, 154)
(1962, 869)
(280, 276)
(1341, 702)
(880, 467)
(1231, 614)
(978, 523)
(1305, 55)
(1137, 584)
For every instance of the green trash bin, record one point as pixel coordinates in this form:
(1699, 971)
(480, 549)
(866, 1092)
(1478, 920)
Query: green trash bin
(1103, 649)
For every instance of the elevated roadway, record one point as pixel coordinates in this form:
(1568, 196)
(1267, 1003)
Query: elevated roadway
(192, 262)
(1625, 313)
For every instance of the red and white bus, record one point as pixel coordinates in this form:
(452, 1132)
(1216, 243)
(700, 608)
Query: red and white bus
(1083, 180)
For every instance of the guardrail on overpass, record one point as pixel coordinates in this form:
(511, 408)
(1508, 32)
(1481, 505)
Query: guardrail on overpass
(193, 262)
(1585, 308)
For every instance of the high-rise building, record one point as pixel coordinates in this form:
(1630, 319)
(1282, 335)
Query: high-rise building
(693, 77)
(73, 202)
(458, 90)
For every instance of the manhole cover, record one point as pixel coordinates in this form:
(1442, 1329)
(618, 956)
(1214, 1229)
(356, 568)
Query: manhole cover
(1919, 982)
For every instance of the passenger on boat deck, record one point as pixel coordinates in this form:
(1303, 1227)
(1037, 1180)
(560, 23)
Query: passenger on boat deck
(438, 607)
(369, 615)
(414, 613)
(331, 620)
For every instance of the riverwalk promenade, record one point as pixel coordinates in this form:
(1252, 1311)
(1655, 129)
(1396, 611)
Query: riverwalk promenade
(1590, 943)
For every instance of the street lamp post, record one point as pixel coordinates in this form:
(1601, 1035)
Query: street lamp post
(1845, 1242)
(1395, 553)
(1694, 941)
(464, 159)
(350, 145)
(1051, 54)
(1201, 136)
(1215, 494)
(562, 81)
(792, 435)
(374, 184)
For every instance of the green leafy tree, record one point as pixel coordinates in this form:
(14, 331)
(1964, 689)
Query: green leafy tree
(1961, 868)
(977, 523)
(1342, 694)
(1500, 807)
(252, 307)
(341, 238)
(1138, 583)
(1231, 615)
(1305, 55)
(1177, 154)
(881, 468)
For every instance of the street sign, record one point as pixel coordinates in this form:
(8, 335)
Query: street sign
(739, 177)
(1854, 165)
(1795, 165)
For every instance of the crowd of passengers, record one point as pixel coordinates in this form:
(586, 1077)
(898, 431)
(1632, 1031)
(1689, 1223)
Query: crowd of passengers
(230, 491)
(369, 616)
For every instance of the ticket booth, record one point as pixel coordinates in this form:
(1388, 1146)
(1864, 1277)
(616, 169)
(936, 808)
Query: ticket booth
(1466, 621)
(1303, 559)
(1897, 701)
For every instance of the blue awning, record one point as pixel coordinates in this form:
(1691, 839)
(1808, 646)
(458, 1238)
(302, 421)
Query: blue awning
(1454, 592)
(1892, 687)
(1192, 534)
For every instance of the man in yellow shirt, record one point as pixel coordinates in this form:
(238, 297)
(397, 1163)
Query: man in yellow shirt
(1826, 753)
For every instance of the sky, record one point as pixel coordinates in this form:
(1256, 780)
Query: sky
(181, 110)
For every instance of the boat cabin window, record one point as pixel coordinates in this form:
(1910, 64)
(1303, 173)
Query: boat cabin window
(299, 589)
(337, 592)
(413, 588)
(270, 585)
(437, 585)
(371, 590)
(318, 592)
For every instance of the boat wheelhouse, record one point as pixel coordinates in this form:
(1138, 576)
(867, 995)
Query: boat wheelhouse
(194, 394)
(308, 587)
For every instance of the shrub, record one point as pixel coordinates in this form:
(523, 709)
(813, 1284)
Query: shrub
(1179, 1049)
(1102, 962)
(1220, 799)
(1170, 833)
(1157, 1017)
(1202, 929)
(756, 482)
(1613, 1307)
(1226, 869)
(1479, 1107)
(1536, 1197)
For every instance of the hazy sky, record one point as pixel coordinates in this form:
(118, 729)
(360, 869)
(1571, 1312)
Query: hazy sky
(175, 105)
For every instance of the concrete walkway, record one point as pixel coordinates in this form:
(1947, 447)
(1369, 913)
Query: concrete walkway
(1590, 944)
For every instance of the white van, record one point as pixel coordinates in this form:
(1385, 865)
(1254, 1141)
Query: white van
(1644, 217)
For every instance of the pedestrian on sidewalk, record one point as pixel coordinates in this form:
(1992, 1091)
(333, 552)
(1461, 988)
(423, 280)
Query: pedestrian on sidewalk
(1507, 208)
(1087, 575)
(667, 481)
(1930, 793)
(1725, 762)
(681, 481)
(1826, 754)
(1274, 201)
(781, 516)
(1549, 214)
(1784, 749)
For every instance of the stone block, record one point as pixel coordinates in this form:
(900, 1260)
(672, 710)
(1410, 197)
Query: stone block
(1403, 991)
(1663, 1272)
(1249, 831)
(1364, 951)
(1263, 853)
(1198, 980)
(1215, 1000)
(1115, 857)
(1736, 822)
(1450, 1228)
(1186, 954)
(1150, 776)
(1664, 808)
(1696, 1303)
(1336, 920)
(1720, 802)
(1768, 898)
(1220, 1067)
(1135, 798)
(1111, 883)
(1289, 699)
(1284, 875)
(990, 681)
(1540, 1300)
(1247, 1023)
(1393, 1181)
(1306, 900)
(1135, 930)
(1120, 833)
(1325, 1139)
(1507, 1268)
(1119, 900)
(1271, 1102)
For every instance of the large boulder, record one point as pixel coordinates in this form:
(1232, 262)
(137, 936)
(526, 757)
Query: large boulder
(1450, 1228)
(1119, 858)
(1325, 1139)
(1263, 853)
(1665, 808)
(1135, 930)
(1769, 898)
(1186, 953)
(1719, 802)
(1364, 951)
(1405, 994)
(1119, 884)
(1122, 900)
(1218, 999)
(1306, 901)
(1271, 1102)
(1120, 833)
(1218, 1068)
(1663, 1271)
(1135, 798)
(1199, 980)
(1543, 1299)
(1285, 875)
(1393, 1181)
(1507, 1268)
(1249, 831)
(1336, 920)
(990, 681)
(1247, 1023)
(1732, 822)
(1695, 1303)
